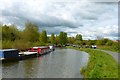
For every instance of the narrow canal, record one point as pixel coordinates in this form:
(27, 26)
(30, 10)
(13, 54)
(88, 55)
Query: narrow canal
(62, 63)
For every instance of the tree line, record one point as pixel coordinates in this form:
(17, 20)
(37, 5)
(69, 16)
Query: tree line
(30, 36)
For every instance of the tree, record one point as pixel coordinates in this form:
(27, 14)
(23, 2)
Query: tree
(43, 37)
(79, 37)
(71, 40)
(84, 42)
(48, 39)
(102, 41)
(63, 38)
(91, 42)
(31, 32)
(14, 38)
(52, 39)
(78, 42)
(10, 33)
(109, 43)
(57, 40)
(116, 46)
(99, 42)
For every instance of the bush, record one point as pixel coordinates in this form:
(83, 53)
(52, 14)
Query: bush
(35, 44)
(21, 45)
(42, 44)
(59, 45)
(0, 44)
(115, 46)
(109, 43)
(6, 44)
(102, 41)
(78, 42)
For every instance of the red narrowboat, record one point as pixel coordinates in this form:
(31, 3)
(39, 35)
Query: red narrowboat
(40, 50)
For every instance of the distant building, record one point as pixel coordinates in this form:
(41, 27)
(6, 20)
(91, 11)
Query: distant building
(116, 40)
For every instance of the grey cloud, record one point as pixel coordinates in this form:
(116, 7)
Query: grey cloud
(55, 30)
(84, 16)
(51, 21)
(42, 20)
(69, 33)
(113, 34)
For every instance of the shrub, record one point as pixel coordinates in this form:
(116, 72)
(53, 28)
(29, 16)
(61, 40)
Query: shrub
(109, 43)
(115, 46)
(6, 44)
(21, 45)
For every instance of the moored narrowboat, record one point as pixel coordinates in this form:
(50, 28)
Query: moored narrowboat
(52, 48)
(26, 55)
(40, 50)
(9, 54)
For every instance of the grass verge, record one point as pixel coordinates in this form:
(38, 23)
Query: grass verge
(110, 48)
(100, 65)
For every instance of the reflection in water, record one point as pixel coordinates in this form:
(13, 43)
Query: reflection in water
(62, 63)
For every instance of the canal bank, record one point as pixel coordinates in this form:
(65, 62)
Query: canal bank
(62, 63)
(100, 65)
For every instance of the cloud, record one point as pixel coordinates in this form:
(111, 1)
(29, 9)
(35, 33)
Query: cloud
(19, 16)
(87, 17)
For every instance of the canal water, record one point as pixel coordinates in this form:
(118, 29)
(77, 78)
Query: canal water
(62, 63)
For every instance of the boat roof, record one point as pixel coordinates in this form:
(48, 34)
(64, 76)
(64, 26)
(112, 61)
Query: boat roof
(7, 49)
(41, 47)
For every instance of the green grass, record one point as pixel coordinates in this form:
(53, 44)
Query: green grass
(110, 48)
(100, 65)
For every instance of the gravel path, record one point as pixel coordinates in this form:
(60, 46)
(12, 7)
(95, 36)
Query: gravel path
(115, 55)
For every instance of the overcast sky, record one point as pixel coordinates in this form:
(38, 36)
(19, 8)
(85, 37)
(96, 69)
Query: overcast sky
(89, 18)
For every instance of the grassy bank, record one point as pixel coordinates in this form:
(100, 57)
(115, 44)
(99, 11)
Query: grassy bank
(110, 48)
(100, 65)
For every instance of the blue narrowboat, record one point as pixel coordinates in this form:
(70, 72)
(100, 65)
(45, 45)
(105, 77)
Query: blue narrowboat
(9, 54)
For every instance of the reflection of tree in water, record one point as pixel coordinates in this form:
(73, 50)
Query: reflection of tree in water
(29, 67)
